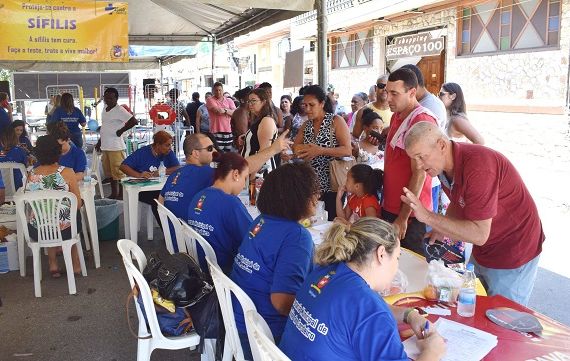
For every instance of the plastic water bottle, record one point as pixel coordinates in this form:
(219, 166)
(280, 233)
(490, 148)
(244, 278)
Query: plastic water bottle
(162, 171)
(87, 176)
(467, 295)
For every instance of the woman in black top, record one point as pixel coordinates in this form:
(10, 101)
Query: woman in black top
(262, 131)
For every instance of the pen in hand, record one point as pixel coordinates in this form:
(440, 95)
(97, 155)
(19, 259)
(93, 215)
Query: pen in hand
(426, 329)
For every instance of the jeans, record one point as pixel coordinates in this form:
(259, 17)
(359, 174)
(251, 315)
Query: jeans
(414, 233)
(516, 283)
(330, 204)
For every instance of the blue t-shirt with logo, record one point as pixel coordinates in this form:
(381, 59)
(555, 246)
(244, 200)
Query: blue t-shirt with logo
(143, 160)
(15, 155)
(72, 120)
(74, 159)
(275, 256)
(181, 186)
(222, 220)
(337, 316)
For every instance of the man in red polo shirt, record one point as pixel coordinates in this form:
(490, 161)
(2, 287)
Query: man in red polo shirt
(399, 170)
(490, 207)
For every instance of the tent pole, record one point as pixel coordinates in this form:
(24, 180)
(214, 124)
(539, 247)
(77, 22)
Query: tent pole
(213, 58)
(322, 25)
(160, 67)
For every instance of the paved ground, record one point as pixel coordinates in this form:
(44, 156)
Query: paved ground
(92, 324)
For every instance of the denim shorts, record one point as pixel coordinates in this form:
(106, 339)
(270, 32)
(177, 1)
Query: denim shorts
(516, 283)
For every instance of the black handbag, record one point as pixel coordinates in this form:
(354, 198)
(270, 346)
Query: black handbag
(178, 278)
(208, 322)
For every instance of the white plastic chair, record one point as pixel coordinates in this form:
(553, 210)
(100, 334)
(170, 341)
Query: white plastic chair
(263, 346)
(96, 171)
(46, 206)
(224, 289)
(7, 169)
(145, 346)
(191, 237)
(165, 216)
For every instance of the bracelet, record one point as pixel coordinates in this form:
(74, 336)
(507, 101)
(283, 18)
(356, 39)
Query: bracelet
(407, 314)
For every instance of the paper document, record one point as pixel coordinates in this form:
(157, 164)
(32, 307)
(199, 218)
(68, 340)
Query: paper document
(464, 343)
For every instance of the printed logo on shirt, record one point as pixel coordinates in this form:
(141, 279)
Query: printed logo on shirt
(245, 263)
(200, 204)
(322, 283)
(256, 229)
(306, 323)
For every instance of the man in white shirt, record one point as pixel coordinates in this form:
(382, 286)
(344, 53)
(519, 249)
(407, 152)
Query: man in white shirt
(115, 120)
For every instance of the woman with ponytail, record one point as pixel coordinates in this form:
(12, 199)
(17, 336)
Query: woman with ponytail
(218, 214)
(338, 314)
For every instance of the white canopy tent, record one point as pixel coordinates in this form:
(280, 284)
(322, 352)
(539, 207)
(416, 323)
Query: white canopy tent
(182, 22)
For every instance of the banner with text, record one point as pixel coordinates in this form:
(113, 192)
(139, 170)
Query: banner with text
(64, 30)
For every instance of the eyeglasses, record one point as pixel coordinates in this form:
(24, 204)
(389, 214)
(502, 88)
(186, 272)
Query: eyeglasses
(442, 94)
(380, 86)
(209, 148)
(253, 101)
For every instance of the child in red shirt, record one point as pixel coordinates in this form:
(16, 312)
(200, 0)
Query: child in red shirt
(363, 183)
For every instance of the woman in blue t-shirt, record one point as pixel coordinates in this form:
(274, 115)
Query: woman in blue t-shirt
(144, 163)
(276, 254)
(12, 153)
(218, 214)
(71, 156)
(72, 117)
(338, 314)
(20, 129)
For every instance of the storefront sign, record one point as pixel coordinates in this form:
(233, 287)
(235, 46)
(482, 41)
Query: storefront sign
(64, 30)
(421, 44)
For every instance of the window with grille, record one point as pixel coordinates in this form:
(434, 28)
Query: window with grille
(507, 25)
(352, 50)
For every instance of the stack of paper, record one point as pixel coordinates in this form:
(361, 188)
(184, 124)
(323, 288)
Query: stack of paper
(464, 343)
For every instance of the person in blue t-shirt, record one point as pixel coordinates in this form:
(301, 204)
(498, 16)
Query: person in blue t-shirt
(20, 129)
(338, 313)
(276, 254)
(217, 213)
(5, 111)
(72, 116)
(144, 163)
(182, 185)
(196, 175)
(11, 152)
(71, 156)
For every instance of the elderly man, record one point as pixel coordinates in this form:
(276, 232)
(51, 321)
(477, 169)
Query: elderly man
(490, 207)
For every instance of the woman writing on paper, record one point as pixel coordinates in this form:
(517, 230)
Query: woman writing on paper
(354, 322)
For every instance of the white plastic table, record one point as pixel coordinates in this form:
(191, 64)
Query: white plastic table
(87, 193)
(131, 205)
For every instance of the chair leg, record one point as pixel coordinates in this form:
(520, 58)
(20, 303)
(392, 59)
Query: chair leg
(36, 254)
(149, 223)
(143, 350)
(81, 259)
(85, 229)
(69, 268)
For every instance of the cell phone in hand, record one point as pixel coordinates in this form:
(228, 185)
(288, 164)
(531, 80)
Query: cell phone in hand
(376, 135)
